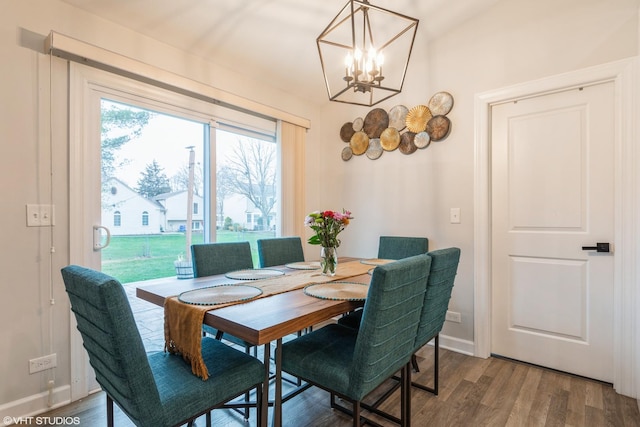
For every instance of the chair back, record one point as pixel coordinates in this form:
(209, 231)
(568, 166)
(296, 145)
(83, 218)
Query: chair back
(444, 265)
(209, 259)
(110, 336)
(279, 251)
(390, 319)
(396, 247)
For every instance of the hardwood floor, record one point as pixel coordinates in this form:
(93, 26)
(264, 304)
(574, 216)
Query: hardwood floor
(473, 392)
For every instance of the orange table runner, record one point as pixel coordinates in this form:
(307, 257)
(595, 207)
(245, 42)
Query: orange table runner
(183, 322)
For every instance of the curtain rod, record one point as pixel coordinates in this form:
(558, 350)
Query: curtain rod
(78, 51)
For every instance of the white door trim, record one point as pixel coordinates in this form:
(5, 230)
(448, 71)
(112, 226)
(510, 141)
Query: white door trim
(624, 75)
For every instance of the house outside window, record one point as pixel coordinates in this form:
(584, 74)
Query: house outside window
(195, 208)
(145, 218)
(117, 218)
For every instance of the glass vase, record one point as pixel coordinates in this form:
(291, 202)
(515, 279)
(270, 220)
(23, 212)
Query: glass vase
(328, 261)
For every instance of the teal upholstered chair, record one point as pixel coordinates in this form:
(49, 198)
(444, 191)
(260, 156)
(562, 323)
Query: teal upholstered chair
(444, 266)
(279, 251)
(351, 362)
(209, 259)
(396, 247)
(391, 247)
(157, 389)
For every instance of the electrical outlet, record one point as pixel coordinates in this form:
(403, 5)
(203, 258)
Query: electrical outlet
(40, 215)
(43, 363)
(452, 316)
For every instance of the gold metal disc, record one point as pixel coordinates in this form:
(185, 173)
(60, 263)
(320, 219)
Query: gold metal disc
(359, 143)
(389, 139)
(417, 118)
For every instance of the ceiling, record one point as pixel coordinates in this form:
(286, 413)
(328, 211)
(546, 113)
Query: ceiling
(271, 39)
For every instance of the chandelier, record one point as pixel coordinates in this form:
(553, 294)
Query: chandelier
(364, 52)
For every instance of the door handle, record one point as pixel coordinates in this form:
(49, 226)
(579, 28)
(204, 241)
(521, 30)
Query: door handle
(599, 247)
(97, 237)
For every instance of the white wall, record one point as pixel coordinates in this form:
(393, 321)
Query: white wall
(515, 41)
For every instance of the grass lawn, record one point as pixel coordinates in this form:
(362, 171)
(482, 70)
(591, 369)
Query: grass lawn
(144, 257)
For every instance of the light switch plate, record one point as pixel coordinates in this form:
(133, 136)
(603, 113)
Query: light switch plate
(40, 215)
(455, 215)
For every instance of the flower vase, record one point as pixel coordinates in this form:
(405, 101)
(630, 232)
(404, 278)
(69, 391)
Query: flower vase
(328, 261)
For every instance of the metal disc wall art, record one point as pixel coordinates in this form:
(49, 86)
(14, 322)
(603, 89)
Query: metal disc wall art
(438, 127)
(417, 118)
(422, 139)
(346, 132)
(390, 139)
(441, 103)
(406, 130)
(357, 124)
(375, 149)
(359, 143)
(346, 153)
(375, 122)
(407, 145)
(398, 117)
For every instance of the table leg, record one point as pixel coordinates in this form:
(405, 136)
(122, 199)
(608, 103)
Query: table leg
(265, 389)
(277, 398)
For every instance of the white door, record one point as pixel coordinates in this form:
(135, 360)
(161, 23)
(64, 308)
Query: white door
(553, 194)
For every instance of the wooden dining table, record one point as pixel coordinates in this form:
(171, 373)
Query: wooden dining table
(260, 321)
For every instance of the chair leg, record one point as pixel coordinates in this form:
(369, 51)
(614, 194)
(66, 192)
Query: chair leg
(405, 396)
(356, 414)
(208, 419)
(436, 364)
(259, 419)
(436, 370)
(109, 411)
(247, 395)
(414, 363)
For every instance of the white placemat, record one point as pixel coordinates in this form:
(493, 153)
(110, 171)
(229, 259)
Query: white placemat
(220, 294)
(304, 265)
(376, 261)
(254, 274)
(350, 291)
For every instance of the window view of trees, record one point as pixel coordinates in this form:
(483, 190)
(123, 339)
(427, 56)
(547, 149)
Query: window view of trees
(250, 171)
(153, 181)
(145, 180)
(119, 125)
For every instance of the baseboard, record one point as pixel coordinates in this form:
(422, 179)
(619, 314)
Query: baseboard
(18, 411)
(458, 345)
